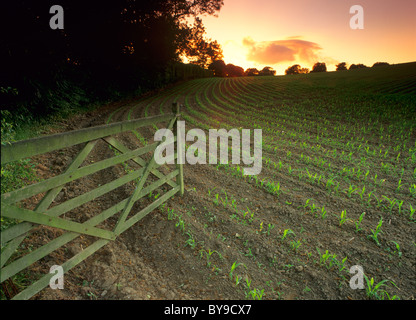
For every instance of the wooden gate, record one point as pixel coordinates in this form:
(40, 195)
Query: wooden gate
(52, 215)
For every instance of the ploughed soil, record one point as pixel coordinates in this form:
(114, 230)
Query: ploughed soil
(187, 248)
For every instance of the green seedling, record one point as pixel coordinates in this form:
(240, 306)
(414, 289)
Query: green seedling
(341, 265)
(412, 190)
(181, 224)
(391, 203)
(295, 245)
(216, 200)
(375, 291)
(399, 253)
(351, 190)
(343, 217)
(412, 211)
(324, 258)
(374, 233)
(233, 267)
(323, 213)
(400, 204)
(361, 194)
(286, 233)
(190, 241)
(358, 223)
(270, 227)
(210, 190)
(399, 185)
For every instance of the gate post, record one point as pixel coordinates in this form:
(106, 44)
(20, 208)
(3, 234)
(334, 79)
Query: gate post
(179, 161)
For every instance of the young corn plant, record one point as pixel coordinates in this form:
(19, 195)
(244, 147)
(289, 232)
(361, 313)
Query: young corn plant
(399, 185)
(295, 245)
(361, 193)
(375, 291)
(270, 227)
(190, 241)
(233, 267)
(343, 217)
(351, 190)
(358, 222)
(399, 252)
(391, 204)
(255, 294)
(325, 258)
(286, 232)
(323, 212)
(412, 190)
(341, 265)
(374, 233)
(412, 211)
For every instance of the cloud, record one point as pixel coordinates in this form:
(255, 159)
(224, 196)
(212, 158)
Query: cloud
(274, 52)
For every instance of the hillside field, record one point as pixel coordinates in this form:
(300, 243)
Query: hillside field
(337, 189)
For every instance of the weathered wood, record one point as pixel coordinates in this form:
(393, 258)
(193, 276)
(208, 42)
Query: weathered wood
(91, 195)
(140, 215)
(28, 148)
(55, 222)
(140, 185)
(12, 237)
(29, 191)
(66, 266)
(24, 227)
(123, 149)
(69, 264)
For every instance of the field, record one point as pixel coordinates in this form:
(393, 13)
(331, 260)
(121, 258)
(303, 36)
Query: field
(337, 189)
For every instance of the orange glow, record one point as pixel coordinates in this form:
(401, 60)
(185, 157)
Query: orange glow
(256, 33)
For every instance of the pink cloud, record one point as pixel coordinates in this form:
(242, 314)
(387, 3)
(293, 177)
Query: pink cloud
(273, 52)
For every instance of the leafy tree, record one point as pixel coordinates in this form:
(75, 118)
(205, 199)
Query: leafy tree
(296, 69)
(267, 71)
(341, 66)
(197, 48)
(251, 72)
(219, 68)
(106, 48)
(319, 67)
(234, 71)
(357, 66)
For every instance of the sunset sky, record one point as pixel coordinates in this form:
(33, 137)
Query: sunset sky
(278, 33)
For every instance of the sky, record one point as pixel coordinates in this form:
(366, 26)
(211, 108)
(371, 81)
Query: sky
(281, 33)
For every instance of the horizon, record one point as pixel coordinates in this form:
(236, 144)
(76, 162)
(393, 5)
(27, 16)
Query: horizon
(280, 34)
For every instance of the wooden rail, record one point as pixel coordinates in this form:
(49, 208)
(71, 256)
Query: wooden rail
(54, 216)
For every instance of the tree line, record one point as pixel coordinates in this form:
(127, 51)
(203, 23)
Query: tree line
(321, 67)
(106, 50)
(220, 69)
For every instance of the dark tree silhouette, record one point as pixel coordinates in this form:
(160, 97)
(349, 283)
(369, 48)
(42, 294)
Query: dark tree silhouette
(380, 64)
(251, 72)
(341, 66)
(106, 48)
(219, 68)
(357, 66)
(199, 50)
(267, 71)
(296, 69)
(293, 69)
(319, 67)
(234, 71)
